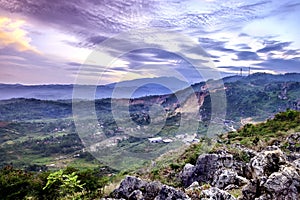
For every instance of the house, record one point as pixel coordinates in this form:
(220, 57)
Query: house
(167, 140)
(155, 140)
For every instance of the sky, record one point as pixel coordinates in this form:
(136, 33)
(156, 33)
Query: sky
(51, 42)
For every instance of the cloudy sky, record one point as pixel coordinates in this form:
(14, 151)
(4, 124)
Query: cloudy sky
(49, 42)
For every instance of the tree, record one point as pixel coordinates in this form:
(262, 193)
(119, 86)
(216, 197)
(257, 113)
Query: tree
(66, 185)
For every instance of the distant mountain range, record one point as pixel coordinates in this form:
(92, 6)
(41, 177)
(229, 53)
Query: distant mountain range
(139, 88)
(257, 96)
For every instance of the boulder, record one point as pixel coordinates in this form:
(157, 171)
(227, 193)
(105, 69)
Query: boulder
(197, 192)
(267, 162)
(281, 185)
(293, 142)
(226, 177)
(215, 193)
(136, 189)
(205, 168)
(187, 175)
(169, 193)
(127, 186)
(136, 195)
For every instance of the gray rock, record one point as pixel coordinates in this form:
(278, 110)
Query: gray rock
(127, 186)
(296, 163)
(169, 193)
(226, 177)
(267, 162)
(136, 189)
(187, 175)
(281, 185)
(205, 168)
(136, 195)
(284, 184)
(215, 193)
(293, 140)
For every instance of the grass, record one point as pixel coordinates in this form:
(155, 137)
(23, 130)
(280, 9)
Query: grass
(256, 136)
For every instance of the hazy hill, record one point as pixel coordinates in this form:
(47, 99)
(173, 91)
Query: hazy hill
(141, 87)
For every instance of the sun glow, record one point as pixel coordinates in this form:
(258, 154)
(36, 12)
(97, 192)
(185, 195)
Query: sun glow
(12, 33)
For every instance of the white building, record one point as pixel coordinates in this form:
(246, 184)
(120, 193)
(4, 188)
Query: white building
(155, 140)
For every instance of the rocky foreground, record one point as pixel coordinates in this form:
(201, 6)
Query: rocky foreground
(271, 173)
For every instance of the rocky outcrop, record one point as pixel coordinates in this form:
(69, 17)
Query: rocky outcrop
(206, 167)
(227, 178)
(272, 177)
(169, 193)
(136, 189)
(281, 185)
(267, 162)
(195, 191)
(268, 175)
(292, 142)
(271, 174)
(215, 193)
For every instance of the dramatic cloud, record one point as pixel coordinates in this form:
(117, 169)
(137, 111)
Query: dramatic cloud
(274, 46)
(247, 55)
(282, 65)
(44, 37)
(12, 33)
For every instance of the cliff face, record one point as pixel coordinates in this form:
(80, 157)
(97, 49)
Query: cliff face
(234, 171)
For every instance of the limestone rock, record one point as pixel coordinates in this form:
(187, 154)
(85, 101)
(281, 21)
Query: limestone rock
(127, 186)
(215, 193)
(267, 162)
(169, 193)
(205, 168)
(281, 185)
(136, 195)
(226, 177)
(284, 184)
(136, 189)
(293, 142)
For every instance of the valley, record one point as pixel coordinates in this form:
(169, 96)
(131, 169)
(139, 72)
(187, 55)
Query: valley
(43, 132)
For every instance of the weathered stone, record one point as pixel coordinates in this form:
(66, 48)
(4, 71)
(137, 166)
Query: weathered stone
(127, 186)
(136, 195)
(267, 162)
(296, 163)
(250, 191)
(293, 142)
(225, 177)
(205, 168)
(169, 193)
(284, 184)
(136, 189)
(215, 193)
(188, 174)
(281, 185)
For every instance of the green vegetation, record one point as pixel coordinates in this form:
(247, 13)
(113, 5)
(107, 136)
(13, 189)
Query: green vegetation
(257, 135)
(69, 183)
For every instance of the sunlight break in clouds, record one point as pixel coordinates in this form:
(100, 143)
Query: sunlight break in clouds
(12, 33)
